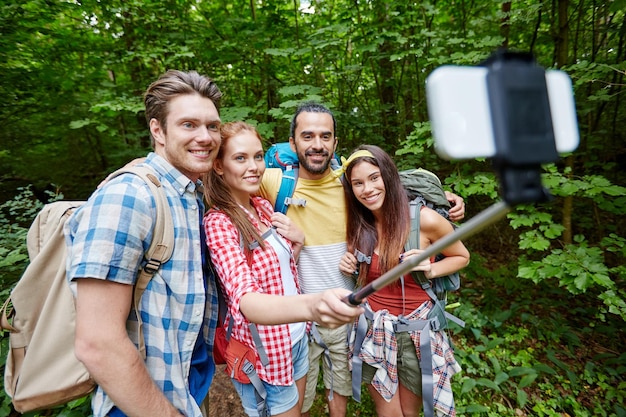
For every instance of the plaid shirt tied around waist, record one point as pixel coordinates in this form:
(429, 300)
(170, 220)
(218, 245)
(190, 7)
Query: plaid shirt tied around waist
(380, 350)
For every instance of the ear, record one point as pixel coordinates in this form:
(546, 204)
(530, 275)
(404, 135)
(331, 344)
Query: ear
(292, 144)
(217, 167)
(157, 132)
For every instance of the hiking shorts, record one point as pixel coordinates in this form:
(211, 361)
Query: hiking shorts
(336, 340)
(409, 372)
(279, 398)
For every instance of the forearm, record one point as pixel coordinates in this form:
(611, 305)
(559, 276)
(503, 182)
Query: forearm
(103, 346)
(326, 308)
(446, 266)
(120, 371)
(284, 309)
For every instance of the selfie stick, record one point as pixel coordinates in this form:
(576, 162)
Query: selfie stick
(485, 218)
(524, 136)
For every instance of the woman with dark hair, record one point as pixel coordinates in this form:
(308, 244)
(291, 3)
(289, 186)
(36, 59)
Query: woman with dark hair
(379, 224)
(254, 252)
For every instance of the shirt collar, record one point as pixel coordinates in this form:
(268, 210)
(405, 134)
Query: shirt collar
(179, 181)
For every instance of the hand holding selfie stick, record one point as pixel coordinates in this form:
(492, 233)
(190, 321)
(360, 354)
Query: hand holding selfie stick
(509, 109)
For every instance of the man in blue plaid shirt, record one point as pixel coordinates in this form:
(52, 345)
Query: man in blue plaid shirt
(107, 238)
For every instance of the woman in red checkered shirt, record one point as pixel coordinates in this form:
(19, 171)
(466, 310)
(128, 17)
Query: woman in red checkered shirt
(254, 251)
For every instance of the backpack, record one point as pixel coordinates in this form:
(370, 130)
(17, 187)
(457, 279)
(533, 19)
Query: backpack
(280, 155)
(41, 369)
(425, 186)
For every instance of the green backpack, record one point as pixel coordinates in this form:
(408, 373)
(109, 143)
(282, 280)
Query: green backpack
(424, 189)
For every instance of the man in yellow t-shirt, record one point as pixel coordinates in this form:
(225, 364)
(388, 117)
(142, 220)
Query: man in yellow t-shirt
(323, 220)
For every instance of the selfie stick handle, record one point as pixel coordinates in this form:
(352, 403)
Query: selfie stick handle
(485, 218)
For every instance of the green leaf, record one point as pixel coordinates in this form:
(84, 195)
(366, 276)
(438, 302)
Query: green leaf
(501, 377)
(527, 380)
(487, 383)
(522, 398)
(521, 370)
(468, 385)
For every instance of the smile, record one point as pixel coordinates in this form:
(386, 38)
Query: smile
(201, 152)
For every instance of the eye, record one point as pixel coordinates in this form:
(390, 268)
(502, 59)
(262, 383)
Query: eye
(214, 127)
(188, 125)
(258, 157)
(239, 158)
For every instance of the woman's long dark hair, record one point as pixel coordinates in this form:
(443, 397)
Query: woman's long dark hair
(361, 229)
(217, 192)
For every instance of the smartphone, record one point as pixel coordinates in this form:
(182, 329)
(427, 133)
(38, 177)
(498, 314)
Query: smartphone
(462, 119)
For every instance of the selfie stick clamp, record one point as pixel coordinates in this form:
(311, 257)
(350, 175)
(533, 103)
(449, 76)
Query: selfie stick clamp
(524, 139)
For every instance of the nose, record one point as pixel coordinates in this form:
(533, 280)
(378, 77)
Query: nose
(317, 143)
(252, 165)
(206, 135)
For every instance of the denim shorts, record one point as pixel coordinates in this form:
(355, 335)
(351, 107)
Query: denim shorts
(279, 398)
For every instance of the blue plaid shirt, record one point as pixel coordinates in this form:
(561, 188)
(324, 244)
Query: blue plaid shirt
(107, 238)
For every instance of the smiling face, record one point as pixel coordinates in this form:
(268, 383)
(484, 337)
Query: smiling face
(314, 141)
(368, 186)
(241, 164)
(192, 138)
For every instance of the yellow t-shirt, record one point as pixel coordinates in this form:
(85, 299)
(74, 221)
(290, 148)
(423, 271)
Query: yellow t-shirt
(323, 221)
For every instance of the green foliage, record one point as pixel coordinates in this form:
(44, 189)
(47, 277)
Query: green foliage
(15, 218)
(75, 72)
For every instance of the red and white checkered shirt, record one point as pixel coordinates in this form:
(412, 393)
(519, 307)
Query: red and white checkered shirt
(262, 275)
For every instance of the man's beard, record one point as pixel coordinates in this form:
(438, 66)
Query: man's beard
(314, 169)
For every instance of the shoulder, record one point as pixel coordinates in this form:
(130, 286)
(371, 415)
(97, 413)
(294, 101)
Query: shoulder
(430, 220)
(219, 224)
(263, 204)
(271, 183)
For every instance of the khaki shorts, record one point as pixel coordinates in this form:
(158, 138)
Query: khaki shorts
(409, 372)
(336, 340)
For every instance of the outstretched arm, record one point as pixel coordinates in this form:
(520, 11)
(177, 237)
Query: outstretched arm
(326, 308)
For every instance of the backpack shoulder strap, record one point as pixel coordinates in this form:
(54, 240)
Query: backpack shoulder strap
(413, 242)
(284, 198)
(162, 244)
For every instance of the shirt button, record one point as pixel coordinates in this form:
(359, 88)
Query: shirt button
(181, 190)
(194, 207)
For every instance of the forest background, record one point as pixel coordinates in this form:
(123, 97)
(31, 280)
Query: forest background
(544, 296)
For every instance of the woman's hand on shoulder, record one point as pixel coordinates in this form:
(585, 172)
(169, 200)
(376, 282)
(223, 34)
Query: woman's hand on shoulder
(287, 228)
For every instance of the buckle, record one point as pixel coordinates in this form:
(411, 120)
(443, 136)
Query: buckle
(289, 201)
(248, 367)
(152, 266)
